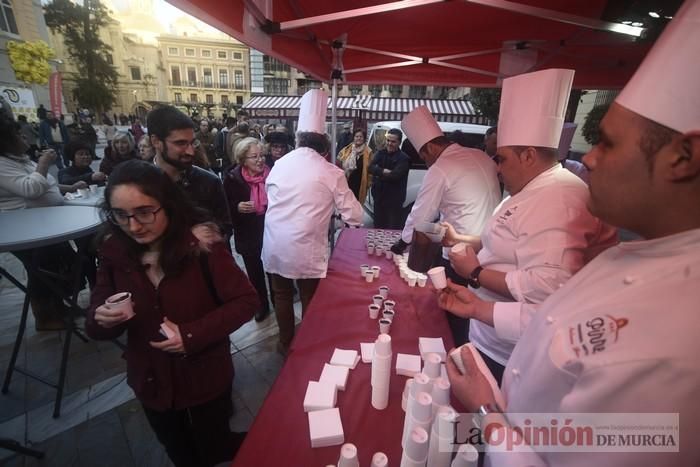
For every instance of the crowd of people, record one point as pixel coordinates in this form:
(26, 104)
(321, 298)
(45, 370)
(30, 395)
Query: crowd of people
(540, 264)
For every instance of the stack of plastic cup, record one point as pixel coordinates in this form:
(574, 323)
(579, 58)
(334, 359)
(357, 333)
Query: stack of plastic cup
(415, 451)
(348, 456)
(432, 366)
(381, 372)
(379, 459)
(440, 394)
(442, 437)
(467, 456)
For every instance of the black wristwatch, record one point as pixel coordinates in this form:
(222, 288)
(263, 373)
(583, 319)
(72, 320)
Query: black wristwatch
(473, 280)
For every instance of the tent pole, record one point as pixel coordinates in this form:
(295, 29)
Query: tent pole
(334, 119)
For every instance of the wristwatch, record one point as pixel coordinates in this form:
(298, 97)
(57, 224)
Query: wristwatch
(473, 280)
(482, 412)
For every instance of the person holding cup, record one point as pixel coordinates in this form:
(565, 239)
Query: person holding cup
(244, 185)
(80, 155)
(183, 281)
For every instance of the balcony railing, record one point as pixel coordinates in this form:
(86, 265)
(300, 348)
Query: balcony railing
(207, 84)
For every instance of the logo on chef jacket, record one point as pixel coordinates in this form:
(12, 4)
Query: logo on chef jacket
(595, 335)
(503, 218)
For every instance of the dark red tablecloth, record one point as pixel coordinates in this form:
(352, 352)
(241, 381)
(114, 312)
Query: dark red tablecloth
(338, 317)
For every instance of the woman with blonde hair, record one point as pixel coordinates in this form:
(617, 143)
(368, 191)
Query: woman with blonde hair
(123, 149)
(354, 159)
(244, 185)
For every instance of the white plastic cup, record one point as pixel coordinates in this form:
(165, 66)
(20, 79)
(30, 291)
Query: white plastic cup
(382, 346)
(411, 279)
(93, 189)
(437, 277)
(84, 192)
(384, 326)
(389, 314)
(388, 253)
(369, 275)
(375, 271)
(421, 280)
(370, 248)
(379, 459)
(377, 299)
(373, 311)
(389, 304)
(348, 456)
(378, 250)
(363, 269)
(122, 302)
(384, 291)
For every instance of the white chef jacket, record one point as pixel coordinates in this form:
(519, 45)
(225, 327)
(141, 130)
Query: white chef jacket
(646, 360)
(539, 237)
(578, 169)
(302, 191)
(462, 187)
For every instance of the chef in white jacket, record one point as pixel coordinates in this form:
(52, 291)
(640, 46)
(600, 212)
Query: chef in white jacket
(303, 190)
(461, 187)
(622, 335)
(539, 236)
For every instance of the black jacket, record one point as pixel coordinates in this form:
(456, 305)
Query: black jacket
(391, 187)
(248, 227)
(206, 191)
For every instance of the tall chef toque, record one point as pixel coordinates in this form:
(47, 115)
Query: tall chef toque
(420, 127)
(533, 107)
(664, 88)
(312, 111)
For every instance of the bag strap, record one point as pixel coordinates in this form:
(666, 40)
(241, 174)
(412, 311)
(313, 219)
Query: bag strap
(206, 272)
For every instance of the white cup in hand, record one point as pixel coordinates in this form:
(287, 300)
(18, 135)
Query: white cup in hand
(121, 302)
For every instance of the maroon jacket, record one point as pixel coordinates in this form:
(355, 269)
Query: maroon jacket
(162, 380)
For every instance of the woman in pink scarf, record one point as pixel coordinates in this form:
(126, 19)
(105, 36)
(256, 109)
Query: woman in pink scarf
(244, 185)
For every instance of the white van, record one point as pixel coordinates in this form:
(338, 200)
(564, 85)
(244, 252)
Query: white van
(466, 134)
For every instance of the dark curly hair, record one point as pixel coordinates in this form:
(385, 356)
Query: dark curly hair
(181, 213)
(76, 145)
(9, 132)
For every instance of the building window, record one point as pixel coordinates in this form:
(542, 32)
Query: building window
(175, 76)
(237, 56)
(191, 76)
(239, 100)
(210, 98)
(238, 79)
(7, 18)
(395, 90)
(109, 59)
(189, 52)
(417, 92)
(223, 79)
(135, 73)
(276, 86)
(355, 89)
(178, 97)
(173, 51)
(375, 90)
(206, 53)
(224, 99)
(271, 65)
(221, 54)
(193, 97)
(207, 77)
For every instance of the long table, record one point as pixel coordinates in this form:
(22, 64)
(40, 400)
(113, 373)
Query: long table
(338, 317)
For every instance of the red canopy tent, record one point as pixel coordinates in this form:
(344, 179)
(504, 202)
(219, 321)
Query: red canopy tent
(473, 43)
(439, 42)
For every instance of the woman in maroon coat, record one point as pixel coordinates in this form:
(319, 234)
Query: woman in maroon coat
(181, 277)
(244, 185)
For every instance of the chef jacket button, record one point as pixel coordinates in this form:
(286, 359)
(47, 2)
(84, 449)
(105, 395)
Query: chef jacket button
(628, 280)
(189, 335)
(515, 372)
(550, 320)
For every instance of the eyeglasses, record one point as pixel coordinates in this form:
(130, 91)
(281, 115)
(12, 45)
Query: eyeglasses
(145, 215)
(259, 157)
(182, 144)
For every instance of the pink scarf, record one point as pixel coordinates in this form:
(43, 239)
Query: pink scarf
(257, 188)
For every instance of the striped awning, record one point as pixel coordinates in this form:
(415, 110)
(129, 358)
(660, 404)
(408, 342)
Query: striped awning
(371, 108)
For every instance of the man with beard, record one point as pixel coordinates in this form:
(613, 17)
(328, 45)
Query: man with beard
(172, 136)
(54, 135)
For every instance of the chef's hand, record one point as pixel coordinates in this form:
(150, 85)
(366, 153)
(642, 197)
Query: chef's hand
(108, 317)
(464, 263)
(458, 300)
(399, 247)
(471, 388)
(246, 207)
(450, 238)
(172, 345)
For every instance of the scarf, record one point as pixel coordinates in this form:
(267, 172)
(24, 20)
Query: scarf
(257, 188)
(350, 161)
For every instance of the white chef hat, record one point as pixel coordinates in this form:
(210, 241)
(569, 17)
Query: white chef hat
(312, 111)
(567, 135)
(420, 127)
(664, 87)
(533, 107)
